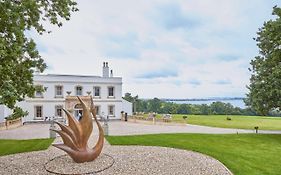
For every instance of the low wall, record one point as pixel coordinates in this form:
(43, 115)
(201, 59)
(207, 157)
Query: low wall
(10, 124)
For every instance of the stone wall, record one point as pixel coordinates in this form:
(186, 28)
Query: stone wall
(10, 124)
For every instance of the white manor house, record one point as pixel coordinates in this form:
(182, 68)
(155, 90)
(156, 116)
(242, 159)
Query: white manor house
(61, 91)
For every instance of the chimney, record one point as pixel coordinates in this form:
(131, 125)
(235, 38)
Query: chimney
(105, 70)
(111, 73)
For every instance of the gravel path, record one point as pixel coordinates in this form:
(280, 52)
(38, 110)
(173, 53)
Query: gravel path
(137, 160)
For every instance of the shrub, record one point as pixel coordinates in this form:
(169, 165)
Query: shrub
(17, 113)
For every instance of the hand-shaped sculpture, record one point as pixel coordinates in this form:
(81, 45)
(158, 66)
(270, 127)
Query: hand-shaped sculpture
(75, 136)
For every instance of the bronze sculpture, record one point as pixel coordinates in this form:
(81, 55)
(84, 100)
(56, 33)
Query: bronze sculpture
(75, 136)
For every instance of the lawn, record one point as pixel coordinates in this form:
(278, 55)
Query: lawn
(243, 154)
(237, 121)
(19, 146)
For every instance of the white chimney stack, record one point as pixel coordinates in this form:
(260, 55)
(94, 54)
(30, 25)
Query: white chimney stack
(105, 70)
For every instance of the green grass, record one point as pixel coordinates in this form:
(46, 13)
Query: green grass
(243, 154)
(19, 146)
(237, 121)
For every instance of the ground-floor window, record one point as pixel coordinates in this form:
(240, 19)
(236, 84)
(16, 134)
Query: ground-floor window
(111, 110)
(38, 111)
(58, 110)
(97, 110)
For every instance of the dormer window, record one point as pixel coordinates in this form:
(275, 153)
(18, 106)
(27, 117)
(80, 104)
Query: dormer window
(79, 90)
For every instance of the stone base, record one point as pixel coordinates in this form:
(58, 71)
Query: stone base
(65, 165)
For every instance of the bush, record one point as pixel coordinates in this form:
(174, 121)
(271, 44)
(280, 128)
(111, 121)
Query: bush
(17, 113)
(228, 118)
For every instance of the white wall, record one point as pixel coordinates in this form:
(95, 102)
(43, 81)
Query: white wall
(69, 83)
(127, 107)
(4, 112)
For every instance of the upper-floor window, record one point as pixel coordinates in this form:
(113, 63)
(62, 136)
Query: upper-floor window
(79, 90)
(58, 91)
(38, 91)
(96, 91)
(110, 91)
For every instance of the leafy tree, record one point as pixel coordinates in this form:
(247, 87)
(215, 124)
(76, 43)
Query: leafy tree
(184, 109)
(19, 57)
(17, 113)
(128, 97)
(265, 81)
(154, 105)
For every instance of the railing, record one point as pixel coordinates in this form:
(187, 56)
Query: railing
(10, 124)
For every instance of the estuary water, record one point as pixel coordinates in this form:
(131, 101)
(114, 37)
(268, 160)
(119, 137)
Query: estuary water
(235, 102)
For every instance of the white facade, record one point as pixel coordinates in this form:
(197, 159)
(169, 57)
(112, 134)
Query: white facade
(4, 112)
(60, 91)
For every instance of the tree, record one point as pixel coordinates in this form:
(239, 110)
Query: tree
(154, 105)
(19, 57)
(265, 82)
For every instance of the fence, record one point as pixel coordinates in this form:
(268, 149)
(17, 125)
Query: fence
(10, 124)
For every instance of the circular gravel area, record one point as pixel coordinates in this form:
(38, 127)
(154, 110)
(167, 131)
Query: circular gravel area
(65, 165)
(143, 160)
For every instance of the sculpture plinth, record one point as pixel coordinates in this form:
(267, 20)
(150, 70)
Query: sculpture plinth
(75, 136)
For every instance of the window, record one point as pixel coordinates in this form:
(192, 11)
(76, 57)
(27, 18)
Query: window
(97, 110)
(110, 91)
(58, 110)
(58, 91)
(39, 91)
(78, 112)
(111, 110)
(38, 112)
(79, 90)
(96, 91)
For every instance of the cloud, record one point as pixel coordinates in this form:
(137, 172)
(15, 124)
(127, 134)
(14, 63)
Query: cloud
(223, 82)
(158, 74)
(227, 57)
(171, 17)
(121, 46)
(179, 49)
(194, 82)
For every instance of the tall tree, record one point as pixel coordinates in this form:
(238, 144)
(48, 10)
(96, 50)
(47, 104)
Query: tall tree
(19, 57)
(265, 81)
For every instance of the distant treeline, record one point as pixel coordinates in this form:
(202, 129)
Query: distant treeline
(215, 108)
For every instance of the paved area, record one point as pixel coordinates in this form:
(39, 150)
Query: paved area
(131, 128)
(31, 131)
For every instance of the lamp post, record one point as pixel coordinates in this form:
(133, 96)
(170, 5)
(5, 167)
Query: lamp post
(105, 124)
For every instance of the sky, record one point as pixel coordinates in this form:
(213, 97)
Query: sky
(161, 48)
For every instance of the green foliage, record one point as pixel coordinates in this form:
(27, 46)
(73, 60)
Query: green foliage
(19, 56)
(17, 113)
(243, 154)
(158, 106)
(19, 146)
(265, 82)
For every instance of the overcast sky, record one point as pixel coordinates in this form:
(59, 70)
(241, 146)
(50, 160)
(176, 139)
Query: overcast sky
(161, 48)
